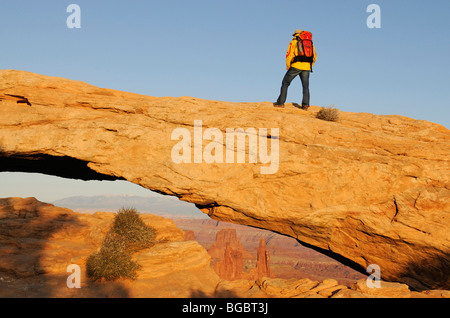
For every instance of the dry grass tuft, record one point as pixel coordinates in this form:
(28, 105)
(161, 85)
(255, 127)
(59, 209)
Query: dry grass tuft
(329, 113)
(128, 234)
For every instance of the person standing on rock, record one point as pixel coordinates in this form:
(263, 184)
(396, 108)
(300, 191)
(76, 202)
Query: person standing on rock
(300, 58)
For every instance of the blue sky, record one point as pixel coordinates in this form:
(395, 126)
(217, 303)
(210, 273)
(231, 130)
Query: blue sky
(234, 50)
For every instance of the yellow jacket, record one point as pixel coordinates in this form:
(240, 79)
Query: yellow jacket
(293, 52)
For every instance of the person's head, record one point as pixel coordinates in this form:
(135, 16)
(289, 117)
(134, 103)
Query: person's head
(297, 32)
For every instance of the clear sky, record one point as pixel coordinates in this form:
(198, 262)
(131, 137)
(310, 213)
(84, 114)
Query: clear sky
(235, 50)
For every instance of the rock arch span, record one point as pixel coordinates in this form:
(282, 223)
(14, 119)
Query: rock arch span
(367, 189)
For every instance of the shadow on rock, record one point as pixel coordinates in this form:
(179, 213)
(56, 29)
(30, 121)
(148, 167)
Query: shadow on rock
(428, 274)
(38, 241)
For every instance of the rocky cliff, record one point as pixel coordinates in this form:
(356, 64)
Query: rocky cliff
(40, 242)
(366, 190)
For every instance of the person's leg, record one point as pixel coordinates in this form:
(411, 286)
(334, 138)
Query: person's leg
(290, 75)
(304, 76)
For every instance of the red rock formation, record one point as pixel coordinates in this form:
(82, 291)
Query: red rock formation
(262, 268)
(229, 255)
(232, 265)
(223, 238)
(262, 262)
(289, 259)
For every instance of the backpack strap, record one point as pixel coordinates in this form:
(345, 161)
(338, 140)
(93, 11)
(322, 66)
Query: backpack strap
(299, 50)
(300, 45)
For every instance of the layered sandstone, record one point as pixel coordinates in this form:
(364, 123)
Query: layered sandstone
(38, 242)
(367, 189)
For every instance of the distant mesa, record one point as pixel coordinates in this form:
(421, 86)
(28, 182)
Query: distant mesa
(156, 204)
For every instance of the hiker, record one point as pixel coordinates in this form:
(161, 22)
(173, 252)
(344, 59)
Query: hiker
(300, 58)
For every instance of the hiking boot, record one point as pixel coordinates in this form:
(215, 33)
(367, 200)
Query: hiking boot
(278, 105)
(305, 107)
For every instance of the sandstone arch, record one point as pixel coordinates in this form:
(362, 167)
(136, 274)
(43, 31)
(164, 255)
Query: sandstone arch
(372, 189)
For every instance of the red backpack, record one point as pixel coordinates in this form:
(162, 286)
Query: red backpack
(305, 48)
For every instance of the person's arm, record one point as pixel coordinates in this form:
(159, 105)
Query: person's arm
(315, 55)
(290, 53)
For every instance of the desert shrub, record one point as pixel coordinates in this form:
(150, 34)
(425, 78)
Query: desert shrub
(133, 230)
(329, 113)
(128, 234)
(112, 262)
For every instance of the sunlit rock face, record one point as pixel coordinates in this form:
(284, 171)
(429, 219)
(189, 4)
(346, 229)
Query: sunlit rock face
(366, 190)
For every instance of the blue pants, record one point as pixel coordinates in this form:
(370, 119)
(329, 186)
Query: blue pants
(290, 75)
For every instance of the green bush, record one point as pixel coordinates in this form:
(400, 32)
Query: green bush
(329, 113)
(128, 234)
